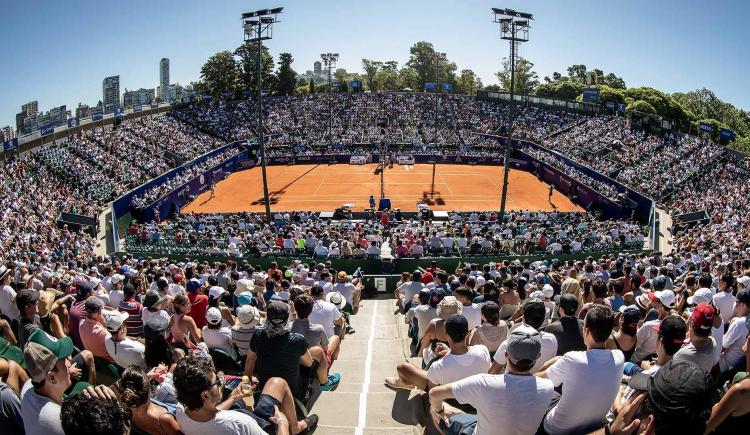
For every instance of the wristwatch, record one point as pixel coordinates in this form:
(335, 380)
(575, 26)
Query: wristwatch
(442, 410)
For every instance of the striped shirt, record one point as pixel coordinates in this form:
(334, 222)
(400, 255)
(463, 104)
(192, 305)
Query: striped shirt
(133, 323)
(241, 338)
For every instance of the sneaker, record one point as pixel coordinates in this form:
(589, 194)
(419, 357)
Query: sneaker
(332, 383)
(397, 383)
(312, 423)
(350, 330)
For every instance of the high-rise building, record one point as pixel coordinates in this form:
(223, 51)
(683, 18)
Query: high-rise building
(83, 111)
(164, 79)
(111, 93)
(26, 119)
(7, 133)
(30, 108)
(138, 98)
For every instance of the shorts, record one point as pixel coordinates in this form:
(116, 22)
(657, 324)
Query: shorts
(329, 359)
(262, 412)
(460, 424)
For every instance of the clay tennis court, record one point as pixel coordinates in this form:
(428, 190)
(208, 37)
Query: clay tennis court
(324, 187)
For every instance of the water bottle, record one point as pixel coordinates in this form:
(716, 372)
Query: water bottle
(247, 387)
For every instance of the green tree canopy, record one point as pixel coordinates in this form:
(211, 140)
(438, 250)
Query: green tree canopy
(640, 106)
(286, 79)
(468, 83)
(563, 90)
(371, 69)
(526, 78)
(248, 54)
(220, 74)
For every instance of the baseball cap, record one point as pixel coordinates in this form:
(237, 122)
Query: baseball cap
(703, 316)
(42, 352)
(548, 291)
(93, 305)
(215, 292)
(213, 315)
(342, 275)
(702, 295)
(155, 327)
(117, 278)
(114, 319)
(248, 315)
(277, 312)
(524, 344)
(659, 283)
(672, 329)
(680, 391)
(25, 297)
(152, 298)
(744, 280)
(744, 296)
(337, 299)
(456, 324)
(244, 298)
(316, 290)
(193, 285)
(666, 297)
(436, 296)
(630, 315)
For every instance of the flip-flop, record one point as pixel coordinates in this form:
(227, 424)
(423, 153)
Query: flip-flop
(312, 423)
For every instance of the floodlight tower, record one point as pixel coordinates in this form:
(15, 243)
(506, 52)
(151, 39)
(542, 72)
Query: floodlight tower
(514, 27)
(437, 58)
(329, 60)
(257, 29)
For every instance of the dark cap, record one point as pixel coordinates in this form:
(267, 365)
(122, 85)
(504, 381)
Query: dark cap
(680, 392)
(743, 296)
(524, 344)
(659, 283)
(152, 298)
(630, 315)
(83, 290)
(569, 303)
(155, 328)
(277, 312)
(316, 290)
(456, 325)
(424, 296)
(25, 297)
(672, 329)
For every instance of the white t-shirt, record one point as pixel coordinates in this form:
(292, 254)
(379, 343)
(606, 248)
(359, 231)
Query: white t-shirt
(126, 352)
(324, 314)
(549, 349)
(732, 342)
(473, 315)
(646, 338)
(516, 404)
(591, 380)
(346, 289)
(149, 316)
(225, 422)
(219, 339)
(724, 301)
(41, 415)
(424, 315)
(115, 296)
(8, 304)
(452, 368)
(409, 289)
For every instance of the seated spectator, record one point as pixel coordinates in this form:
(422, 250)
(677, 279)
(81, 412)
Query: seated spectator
(325, 313)
(93, 330)
(247, 320)
(182, 326)
(50, 311)
(514, 402)
(568, 329)
(493, 331)
(124, 351)
(645, 346)
(217, 336)
(454, 362)
(86, 415)
(591, 378)
(199, 390)
(471, 312)
(275, 351)
(732, 355)
(133, 308)
(534, 313)
(624, 338)
(147, 416)
(314, 334)
(26, 301)
(702, 350)
(158, 349)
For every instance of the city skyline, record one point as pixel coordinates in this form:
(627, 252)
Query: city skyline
(646, 44)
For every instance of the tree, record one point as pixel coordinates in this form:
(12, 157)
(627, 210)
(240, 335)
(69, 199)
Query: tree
(526, 78)
(468, 83)
(409, 79)
(613, 81)
(705, 104)
(562, 90)
(286, 79)
(248, 54)
(663, 104)
(371, 68)
(422, 61)
(577, 72)
(640, 106)
(609, 94)
(220, 74)
(342, 77)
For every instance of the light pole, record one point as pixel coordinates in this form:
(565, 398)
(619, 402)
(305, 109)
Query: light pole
(256, 30)
(330, 59)
(437, 58)
(514, 27)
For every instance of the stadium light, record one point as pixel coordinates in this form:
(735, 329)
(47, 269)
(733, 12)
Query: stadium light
(516, 31)
(437, 58)
(330, 59)
(256, 31)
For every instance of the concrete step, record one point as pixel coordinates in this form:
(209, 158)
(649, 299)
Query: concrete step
(384, 409)
(340, 430)
(382, 349)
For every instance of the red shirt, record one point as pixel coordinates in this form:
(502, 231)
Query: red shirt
(198, 309)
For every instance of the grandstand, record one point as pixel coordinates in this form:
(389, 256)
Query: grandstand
(385, 292)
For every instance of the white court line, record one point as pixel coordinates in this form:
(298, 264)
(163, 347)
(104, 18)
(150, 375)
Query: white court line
(360, 429)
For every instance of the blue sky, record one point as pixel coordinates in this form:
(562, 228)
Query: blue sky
(59, 52)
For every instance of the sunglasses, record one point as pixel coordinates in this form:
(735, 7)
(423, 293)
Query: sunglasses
(219, 380)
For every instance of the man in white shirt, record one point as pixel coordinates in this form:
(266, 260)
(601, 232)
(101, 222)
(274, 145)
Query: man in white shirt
(732, 354)
(471, 311)
(325, 313)
(124, 351)
(199, 391)
(350, 292)
(8, 296)
(590, 379)
(663, 302)
(115, 293)
(513, 403)
(217, 336)
(534, 313)
(407, 290)
(456, 361)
